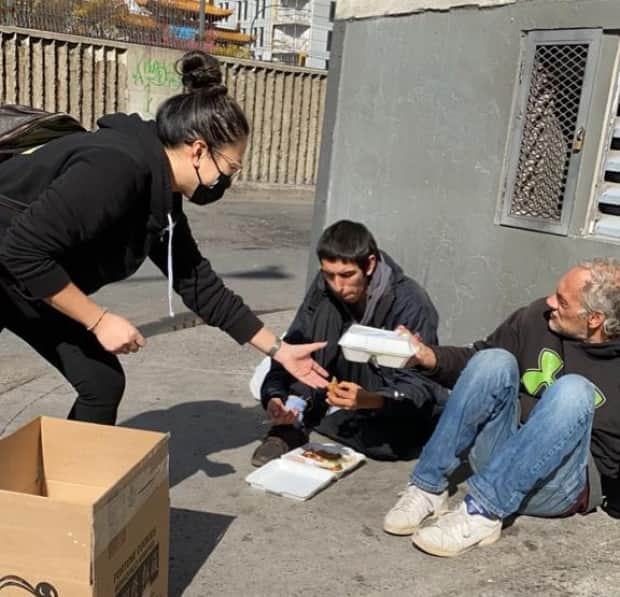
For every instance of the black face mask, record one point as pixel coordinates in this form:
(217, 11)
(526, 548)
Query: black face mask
(203, 195)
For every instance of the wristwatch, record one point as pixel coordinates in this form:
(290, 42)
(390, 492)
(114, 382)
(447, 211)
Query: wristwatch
(274, 349)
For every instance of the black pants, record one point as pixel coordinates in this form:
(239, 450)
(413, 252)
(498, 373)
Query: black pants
(96, 374)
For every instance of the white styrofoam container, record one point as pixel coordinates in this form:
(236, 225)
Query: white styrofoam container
(294, 476)
(290, 479)
(350, 458)
(387, 348)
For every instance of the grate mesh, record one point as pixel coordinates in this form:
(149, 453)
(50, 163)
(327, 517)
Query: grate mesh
(548, 130)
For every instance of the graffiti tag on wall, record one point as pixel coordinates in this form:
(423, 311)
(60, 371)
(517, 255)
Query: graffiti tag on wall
(150, 72)
(152, 75)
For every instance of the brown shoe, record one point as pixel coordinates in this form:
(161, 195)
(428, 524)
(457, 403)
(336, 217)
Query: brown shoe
(280, 440)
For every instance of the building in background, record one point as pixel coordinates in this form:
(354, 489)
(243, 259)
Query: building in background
(296, 32)
(177, 21)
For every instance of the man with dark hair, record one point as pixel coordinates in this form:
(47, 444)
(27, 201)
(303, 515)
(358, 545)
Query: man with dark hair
(385, 413)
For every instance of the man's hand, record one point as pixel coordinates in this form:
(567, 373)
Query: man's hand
(350, 396)
(279, 414)
(424, 357)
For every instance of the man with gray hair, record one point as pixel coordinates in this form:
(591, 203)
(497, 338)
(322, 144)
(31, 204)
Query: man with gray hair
(536, 410)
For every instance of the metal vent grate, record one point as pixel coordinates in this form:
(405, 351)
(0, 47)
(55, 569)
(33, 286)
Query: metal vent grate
(549, 128)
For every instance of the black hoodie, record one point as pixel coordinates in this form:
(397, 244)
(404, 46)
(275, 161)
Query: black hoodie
(544, 356)
(401, 301)
(91, 207)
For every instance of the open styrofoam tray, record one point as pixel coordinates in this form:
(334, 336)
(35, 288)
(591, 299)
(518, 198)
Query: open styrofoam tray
(387, 348)
(348, 458)
(290, 479)
(295, 476)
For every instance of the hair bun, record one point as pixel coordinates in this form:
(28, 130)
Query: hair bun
(200, 72)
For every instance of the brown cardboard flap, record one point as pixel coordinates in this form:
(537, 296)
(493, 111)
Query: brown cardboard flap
(73, 493)
(90, 454)
(136, 562)
(21, 464)
(55, 535)
(119, 505)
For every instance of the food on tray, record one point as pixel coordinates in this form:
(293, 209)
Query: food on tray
(324, 458)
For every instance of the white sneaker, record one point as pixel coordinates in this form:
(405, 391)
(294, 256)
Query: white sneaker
(456, 532)
(414, 506)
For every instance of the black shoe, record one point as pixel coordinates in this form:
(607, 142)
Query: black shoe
(280, 440)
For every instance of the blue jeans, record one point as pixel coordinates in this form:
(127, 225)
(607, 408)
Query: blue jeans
(538, 468)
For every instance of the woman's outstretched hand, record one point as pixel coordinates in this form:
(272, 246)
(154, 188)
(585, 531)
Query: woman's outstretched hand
(297, 360)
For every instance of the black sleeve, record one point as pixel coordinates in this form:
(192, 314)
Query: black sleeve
(418, 315)
(451, 360)
(278, 380)
(97, 187)
(201, 289)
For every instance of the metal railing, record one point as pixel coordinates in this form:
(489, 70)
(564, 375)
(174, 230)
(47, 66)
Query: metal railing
(163, 24)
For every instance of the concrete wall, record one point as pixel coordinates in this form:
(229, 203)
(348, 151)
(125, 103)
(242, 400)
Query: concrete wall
(63, 74)
(417, 152)
(360, 9)
(88, 78)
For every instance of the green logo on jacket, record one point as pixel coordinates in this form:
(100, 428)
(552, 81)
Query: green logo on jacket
(549, 365)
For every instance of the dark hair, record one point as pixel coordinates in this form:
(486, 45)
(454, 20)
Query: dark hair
(349, 242)
(204, 110)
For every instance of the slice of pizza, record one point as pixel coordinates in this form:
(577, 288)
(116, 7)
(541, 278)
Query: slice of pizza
(324, 458)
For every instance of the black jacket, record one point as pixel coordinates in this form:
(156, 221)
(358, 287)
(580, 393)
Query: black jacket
(322, 316)
(91, 207)
(527, 336)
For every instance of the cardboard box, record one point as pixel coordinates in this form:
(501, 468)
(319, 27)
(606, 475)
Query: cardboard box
(85, 511)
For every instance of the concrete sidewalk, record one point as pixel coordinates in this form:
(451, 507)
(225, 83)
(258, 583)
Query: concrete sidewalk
(229, 540)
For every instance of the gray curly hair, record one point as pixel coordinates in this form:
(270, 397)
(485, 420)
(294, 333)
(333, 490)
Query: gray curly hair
(601, 293)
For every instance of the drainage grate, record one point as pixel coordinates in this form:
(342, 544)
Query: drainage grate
(550, 124)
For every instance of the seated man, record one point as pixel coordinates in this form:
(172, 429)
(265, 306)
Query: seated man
(385, 413)
(536, 408)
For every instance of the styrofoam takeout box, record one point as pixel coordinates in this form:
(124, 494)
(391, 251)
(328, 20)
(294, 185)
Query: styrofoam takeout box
(387, 348)
(297, 477)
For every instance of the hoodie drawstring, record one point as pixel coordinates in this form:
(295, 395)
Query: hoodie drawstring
(170, 229)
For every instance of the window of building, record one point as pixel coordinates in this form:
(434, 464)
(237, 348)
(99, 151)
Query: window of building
(332, 11)
(550, 111)
(605, 220)
(245, 10)
(239, 11)
(329, 41)
(262, 36)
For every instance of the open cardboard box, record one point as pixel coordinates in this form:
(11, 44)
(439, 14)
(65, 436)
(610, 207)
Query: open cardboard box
(85, 511)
